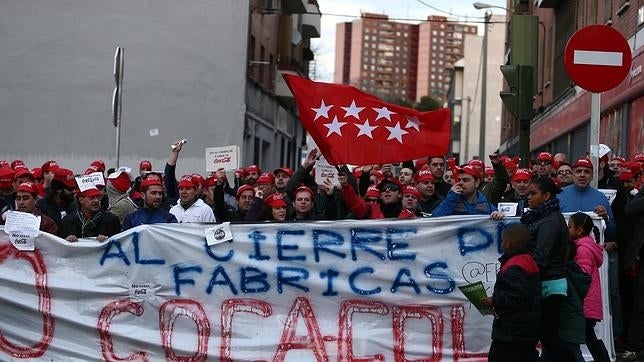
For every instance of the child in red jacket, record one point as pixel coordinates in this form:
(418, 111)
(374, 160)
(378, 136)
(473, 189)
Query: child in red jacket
(589, 257)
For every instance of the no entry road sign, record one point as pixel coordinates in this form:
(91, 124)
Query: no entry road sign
(597, 58)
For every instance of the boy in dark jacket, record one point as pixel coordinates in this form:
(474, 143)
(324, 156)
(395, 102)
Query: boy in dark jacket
(516, 300)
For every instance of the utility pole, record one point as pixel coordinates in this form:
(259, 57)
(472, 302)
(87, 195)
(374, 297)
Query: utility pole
(488, 15)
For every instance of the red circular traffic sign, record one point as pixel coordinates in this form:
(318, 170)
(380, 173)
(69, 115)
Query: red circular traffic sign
(597, 58)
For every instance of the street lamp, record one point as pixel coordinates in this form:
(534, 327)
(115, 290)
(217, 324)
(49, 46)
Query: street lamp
(479, 6)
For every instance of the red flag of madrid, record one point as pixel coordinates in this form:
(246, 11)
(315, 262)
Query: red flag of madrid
(353, 127)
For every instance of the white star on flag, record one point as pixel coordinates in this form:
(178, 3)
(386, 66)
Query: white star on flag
(353, 110)
(396, 132)
(365, 129)
(383, 113)
(334, 127)
(322, 111)
(412, 122)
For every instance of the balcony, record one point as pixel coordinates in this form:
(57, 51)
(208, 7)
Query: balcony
(294, 6)
(311, 21)
(547, 3)
(282, 92)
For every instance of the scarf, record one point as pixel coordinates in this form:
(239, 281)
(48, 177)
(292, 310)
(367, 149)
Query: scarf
(547, 207)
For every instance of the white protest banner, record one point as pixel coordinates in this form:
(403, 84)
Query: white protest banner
(90, 181)
(222, 157)
(322, 291)
(324, 171)
(610, 194)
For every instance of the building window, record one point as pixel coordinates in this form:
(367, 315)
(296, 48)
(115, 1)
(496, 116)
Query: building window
(434, 32)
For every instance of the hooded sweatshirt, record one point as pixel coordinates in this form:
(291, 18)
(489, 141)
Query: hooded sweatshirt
(590, 256)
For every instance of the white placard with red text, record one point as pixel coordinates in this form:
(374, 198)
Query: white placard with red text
(226, 158)
(337, 291)
(325, 171)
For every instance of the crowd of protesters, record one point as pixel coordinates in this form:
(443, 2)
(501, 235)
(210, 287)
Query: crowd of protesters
(548, 286)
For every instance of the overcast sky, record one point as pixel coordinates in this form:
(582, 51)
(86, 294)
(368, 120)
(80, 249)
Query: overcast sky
(324, 47)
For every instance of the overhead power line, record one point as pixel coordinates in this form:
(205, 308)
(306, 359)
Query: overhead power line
(410, 19)
(447, 12)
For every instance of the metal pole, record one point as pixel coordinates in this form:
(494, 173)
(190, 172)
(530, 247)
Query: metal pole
(117, 98)
(466, 155)
(595, 107)
(488, 15)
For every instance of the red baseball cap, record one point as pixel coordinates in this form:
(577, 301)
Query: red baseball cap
(22, 171)
(630, 170)
(304, 188)
(285, 170)
(244, 188)
(17, 163)
(583, 162)
(210, 181)
(477, 163)
(240, 172)
(544, 156)
(471, 170)
(522, 174)
(373, 192)
(412, 190)
(49, 166)
(489, 171)
(37, 172)
(253, 168)
(266, 178)
(424, 175)
(65, 176)
(27, 187)
(197, 179)
(275, 200)
(120, 180)
(145, 165)
(99, 164)
(6, 177)
(639, 157)
(187, 181)
(150, 182)
(92, 192)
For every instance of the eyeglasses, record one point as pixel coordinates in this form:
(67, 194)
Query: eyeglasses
(543, 163)
(564, 172)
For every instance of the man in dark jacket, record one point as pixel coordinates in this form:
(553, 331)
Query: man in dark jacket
(429, 197)
(633, 255)
(519, 192)
(89, 221)
(151, 212)
(59, 200)
(516, 300)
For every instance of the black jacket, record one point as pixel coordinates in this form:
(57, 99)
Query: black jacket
(549, 240)
(517, 299)
(634, 233)
(102, 223)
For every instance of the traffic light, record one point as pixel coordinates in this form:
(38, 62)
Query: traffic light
(519, 98)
